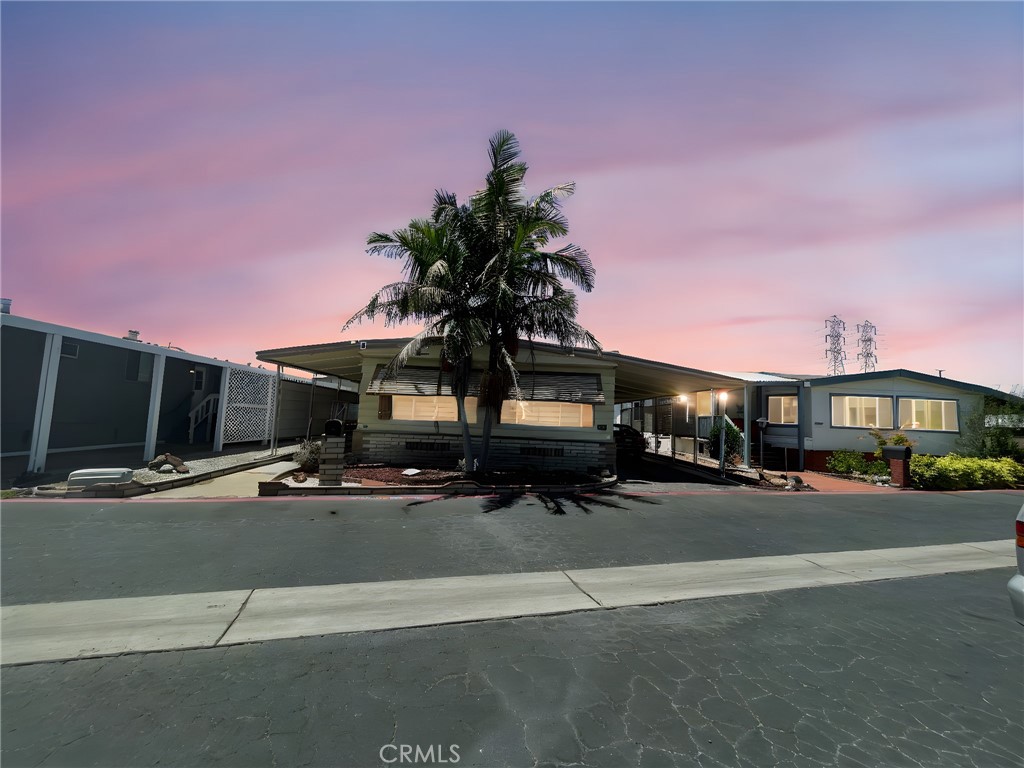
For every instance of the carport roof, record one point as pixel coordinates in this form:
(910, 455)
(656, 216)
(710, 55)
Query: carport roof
(635, 377)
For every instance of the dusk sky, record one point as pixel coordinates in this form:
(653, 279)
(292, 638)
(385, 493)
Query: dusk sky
(208, 173)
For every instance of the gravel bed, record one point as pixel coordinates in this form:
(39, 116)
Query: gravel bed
(201, 466)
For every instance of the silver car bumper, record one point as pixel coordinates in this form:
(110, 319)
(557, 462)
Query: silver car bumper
(1016, 590)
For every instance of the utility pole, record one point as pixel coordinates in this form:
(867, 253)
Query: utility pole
(836, 340)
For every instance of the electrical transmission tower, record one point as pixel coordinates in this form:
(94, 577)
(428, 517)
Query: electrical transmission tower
(836, 340)
(867, 345)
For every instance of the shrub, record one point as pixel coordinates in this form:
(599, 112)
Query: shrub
(878, 467)
(883, 439)
(846, 462)
(963, 473)
(1001, 444)
(733, 441)
(308, 456)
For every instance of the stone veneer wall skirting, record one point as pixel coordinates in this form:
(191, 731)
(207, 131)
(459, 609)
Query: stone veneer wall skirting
(444, 452)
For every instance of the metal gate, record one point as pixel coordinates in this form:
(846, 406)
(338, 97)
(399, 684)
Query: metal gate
(249, 407)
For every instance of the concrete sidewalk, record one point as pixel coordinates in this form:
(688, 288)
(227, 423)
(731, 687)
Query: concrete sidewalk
(243, 484)
(83, 629)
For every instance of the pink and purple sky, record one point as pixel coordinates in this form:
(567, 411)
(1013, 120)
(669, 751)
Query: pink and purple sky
(208, 173)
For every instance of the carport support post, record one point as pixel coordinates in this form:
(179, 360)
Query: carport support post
(672, 428)
(746, 425)
(222, 406)
(156, 392)
(44, 402)
(277, 412)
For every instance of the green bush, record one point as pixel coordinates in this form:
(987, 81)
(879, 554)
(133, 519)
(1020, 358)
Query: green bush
(733, 441)
(846, 462)
(308, 456)
(1000, 444)
(878, 467)
(964, 473)
(883, 439)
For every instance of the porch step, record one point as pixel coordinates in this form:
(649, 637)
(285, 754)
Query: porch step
(774, 458)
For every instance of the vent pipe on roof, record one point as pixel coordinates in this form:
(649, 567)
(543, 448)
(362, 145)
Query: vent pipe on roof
(5, 306)
(132, 336)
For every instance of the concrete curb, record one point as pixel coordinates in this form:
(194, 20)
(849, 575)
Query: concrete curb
(456, 488)
(128, 490)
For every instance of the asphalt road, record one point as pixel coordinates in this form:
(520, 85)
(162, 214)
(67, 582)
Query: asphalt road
(58, 551)
(913, 672)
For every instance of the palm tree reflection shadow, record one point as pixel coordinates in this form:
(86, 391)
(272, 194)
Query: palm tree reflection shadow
(555, 502)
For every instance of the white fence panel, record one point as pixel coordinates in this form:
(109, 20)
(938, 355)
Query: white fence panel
(249, 410)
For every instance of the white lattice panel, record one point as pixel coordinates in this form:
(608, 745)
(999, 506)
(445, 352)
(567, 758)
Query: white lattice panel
(249, 411)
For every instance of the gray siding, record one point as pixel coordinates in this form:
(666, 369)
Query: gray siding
(95, 403)
(21, 357)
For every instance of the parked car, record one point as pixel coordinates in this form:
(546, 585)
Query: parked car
(1016, 585)
(629, 441)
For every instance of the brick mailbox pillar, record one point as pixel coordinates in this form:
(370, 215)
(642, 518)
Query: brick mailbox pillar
(899, 464)
(332, 453)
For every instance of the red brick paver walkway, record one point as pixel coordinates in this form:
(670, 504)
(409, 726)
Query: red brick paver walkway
(830, 484)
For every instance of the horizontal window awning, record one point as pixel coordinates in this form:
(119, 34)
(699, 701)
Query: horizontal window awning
(563, 387)
(411, 381)
(560, 387)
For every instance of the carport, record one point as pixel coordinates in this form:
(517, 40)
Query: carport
(678, 401)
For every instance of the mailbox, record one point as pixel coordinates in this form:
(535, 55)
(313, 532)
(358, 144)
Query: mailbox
(900, 452)
(333, 428)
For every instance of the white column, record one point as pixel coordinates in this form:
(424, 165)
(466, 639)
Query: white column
(156, 391)
(268, 420)
(746, 425)
(44, 402)
(222, 406)
(277, 410)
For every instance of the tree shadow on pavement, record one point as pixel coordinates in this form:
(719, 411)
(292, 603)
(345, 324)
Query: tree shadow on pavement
(556, 503)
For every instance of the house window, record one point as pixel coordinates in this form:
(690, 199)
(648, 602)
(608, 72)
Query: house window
(429, 408)
(928, 414)
(859, 411)
(782, 409)
(138, 367)
(703, 403)
(69, 349)
(199, 379)
(544, 413)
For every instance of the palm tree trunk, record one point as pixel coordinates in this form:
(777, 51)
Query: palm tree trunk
(467, 439)
(485, 438)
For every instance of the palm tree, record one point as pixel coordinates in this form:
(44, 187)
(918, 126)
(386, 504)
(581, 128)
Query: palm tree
(439, 291)
(481, 275)
(521, 280)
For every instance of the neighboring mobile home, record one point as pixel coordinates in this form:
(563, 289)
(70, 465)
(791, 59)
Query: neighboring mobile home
(807, 418)
(70, 391)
